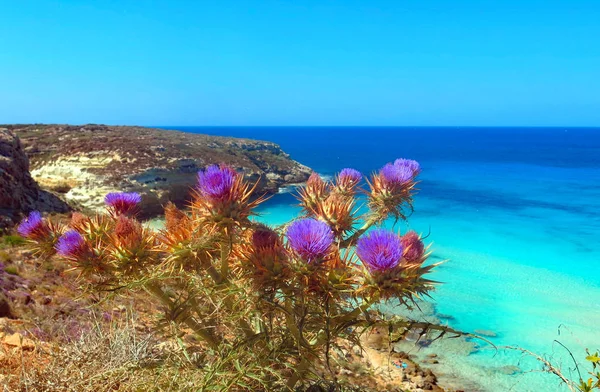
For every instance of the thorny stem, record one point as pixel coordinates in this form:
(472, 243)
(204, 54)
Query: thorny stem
(298, 374)
(290, 321)
(214, 274)
(291, 324)
(359, 309)
(225, 250)
(222, 279)
(158, 292)
(352, 239)
(328, 335)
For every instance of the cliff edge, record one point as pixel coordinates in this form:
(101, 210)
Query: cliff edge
(83, 163)
(19, 193)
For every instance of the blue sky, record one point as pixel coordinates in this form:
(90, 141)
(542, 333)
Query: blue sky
(263, 62)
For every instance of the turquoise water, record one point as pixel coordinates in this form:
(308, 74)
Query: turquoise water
(517, 214)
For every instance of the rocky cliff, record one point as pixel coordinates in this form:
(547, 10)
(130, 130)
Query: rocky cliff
(19, 193)
(83, 163)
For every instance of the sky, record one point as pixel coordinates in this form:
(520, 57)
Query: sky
(264, 62)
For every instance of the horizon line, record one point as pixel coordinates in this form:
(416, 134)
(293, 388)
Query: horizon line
(302, 126)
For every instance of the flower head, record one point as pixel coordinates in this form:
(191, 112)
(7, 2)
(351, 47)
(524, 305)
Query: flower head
(396, 174)
(310, 238)
(413, 246)
(315, 191)
(70, 244)
(128, 230)
(216, 182)
(122, 202)
(264, 238)
(380, 250)
(409, 163)
(316, 188)
(350, 175)
(33, 227)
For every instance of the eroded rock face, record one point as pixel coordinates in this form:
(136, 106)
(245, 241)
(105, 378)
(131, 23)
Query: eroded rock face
(19, 193)
(86, 162)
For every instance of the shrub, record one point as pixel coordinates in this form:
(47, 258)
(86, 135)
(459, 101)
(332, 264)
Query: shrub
(13, 240)
(593, 379)
(11, 269)
(269, 304)
(5, 257)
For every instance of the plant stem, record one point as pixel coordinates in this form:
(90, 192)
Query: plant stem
(350, 240)
(225, 250)
(298, 374)
(158, 292)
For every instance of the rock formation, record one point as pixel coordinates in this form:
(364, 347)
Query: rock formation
(19, 193)
(83, 163)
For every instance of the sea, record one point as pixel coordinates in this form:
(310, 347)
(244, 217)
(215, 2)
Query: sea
(515, 212)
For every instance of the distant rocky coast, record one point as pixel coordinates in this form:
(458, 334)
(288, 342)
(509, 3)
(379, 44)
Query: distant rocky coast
(76, 165)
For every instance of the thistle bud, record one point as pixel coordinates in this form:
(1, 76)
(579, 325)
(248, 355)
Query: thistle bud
(264, 238)
(266, 258)
(175, 219)
(336, 211)
(313, 193)
(78, 220)
(348, 179)
(413, 247)
(128, 231)
(315, 186)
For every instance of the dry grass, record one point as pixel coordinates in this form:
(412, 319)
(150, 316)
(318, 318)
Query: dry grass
(118, 357)
(100, 359)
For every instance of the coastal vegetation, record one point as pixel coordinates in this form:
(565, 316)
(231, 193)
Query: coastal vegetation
(270, 308)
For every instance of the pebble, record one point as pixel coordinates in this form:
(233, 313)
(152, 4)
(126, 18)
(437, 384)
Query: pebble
(17, 340)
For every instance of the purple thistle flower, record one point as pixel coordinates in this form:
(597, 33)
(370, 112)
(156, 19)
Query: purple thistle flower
(70, 244)
(122, 202)
(380, 250)
(32, 226)
(411, 164)
(396, 174)
(350, 175)
(216, 182)
(310, 238)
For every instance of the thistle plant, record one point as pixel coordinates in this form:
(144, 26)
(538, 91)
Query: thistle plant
(278, 297)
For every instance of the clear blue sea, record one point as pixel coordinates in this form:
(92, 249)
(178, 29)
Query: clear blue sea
(516, 211)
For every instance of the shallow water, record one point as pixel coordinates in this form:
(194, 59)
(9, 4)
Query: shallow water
(517, 214)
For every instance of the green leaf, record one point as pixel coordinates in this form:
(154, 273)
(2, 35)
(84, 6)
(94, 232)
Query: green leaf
(593, 358)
